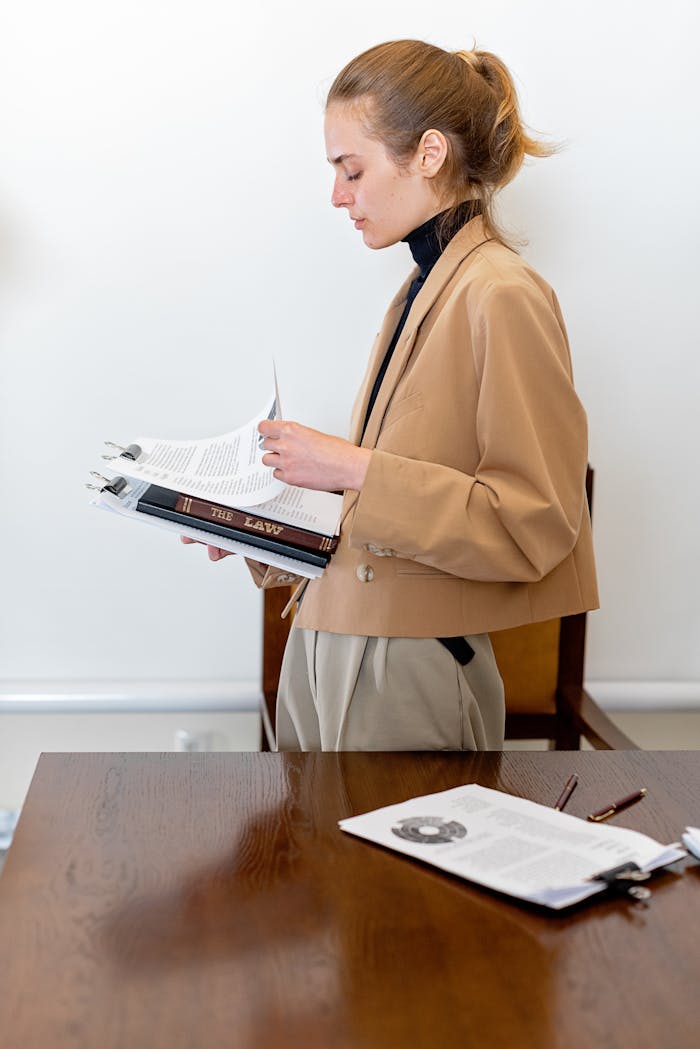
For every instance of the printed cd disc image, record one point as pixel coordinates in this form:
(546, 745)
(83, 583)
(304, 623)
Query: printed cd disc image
(429, 830)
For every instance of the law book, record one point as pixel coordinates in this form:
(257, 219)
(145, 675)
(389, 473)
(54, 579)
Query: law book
(120, 496)
(161, 502)
(157, 499)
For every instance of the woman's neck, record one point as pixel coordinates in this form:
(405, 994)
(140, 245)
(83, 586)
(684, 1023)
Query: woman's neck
(428, 241)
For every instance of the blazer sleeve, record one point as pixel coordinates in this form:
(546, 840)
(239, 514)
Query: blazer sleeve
(519, 514)
(265, 576)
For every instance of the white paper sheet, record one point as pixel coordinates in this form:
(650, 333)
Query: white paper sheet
(229, 470)
(691, 840)
(226, 469)
(303, 507)
(509, 844)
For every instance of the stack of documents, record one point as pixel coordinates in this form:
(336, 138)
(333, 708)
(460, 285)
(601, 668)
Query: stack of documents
(276, 523)
(510, 844)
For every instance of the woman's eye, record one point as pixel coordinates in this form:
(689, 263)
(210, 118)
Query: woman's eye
(354, 178)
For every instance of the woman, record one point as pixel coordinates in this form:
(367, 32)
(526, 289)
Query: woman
(464, 507)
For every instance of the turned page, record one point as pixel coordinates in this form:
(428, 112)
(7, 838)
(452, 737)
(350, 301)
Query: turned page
(226, 469)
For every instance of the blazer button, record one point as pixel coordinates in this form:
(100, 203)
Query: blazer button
(365, 573)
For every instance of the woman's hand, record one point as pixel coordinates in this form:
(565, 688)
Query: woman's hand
(215, 552)
(310, 459)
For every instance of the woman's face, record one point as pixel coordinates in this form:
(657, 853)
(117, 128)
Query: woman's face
(383, 201)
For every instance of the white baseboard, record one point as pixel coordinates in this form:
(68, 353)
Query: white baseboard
(127, 697)
(646, 696)
(94, 696)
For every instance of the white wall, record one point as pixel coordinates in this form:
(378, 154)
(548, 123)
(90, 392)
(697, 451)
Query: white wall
(165, 229)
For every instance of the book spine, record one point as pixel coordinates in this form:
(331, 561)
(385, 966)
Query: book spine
(275, 546)
(254, 525)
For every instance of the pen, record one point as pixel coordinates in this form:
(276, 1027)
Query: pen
(568, 790)
(616, 806)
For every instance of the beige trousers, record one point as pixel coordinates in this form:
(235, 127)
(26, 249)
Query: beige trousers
(343, 692)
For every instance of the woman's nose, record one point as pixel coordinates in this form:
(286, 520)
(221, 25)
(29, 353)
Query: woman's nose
(340, 197)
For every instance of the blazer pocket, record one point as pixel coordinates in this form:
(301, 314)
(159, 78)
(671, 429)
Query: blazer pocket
(398, 410)
(417, 568)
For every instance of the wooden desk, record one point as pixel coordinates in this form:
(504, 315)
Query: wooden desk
(203, 901)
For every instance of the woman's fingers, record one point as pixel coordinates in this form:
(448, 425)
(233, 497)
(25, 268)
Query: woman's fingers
(311, 459)
(215, 553)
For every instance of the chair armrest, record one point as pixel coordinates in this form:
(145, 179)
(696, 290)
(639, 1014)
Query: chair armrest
(591, 721)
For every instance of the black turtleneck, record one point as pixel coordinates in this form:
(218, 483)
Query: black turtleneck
(427, 243)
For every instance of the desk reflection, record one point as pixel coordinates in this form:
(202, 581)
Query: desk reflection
(265, 914)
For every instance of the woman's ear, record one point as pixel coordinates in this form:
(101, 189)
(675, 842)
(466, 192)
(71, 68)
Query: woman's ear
(431, 152)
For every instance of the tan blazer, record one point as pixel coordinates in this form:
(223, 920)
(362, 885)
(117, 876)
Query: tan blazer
(473, 515)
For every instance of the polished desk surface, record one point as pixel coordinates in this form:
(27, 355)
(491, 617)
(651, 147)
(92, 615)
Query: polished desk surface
(209, 900)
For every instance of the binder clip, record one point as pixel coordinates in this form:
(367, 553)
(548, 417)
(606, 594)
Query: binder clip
(131, 452)
(115, 487)
(625, 880)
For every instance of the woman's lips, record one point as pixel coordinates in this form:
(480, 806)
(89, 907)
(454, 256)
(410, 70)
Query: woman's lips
(359, 223)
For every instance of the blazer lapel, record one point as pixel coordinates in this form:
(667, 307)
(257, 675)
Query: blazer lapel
(467, 240)
(381, 344)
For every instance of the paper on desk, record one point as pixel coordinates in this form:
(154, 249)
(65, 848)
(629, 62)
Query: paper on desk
(509, 844)
(691, 840)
